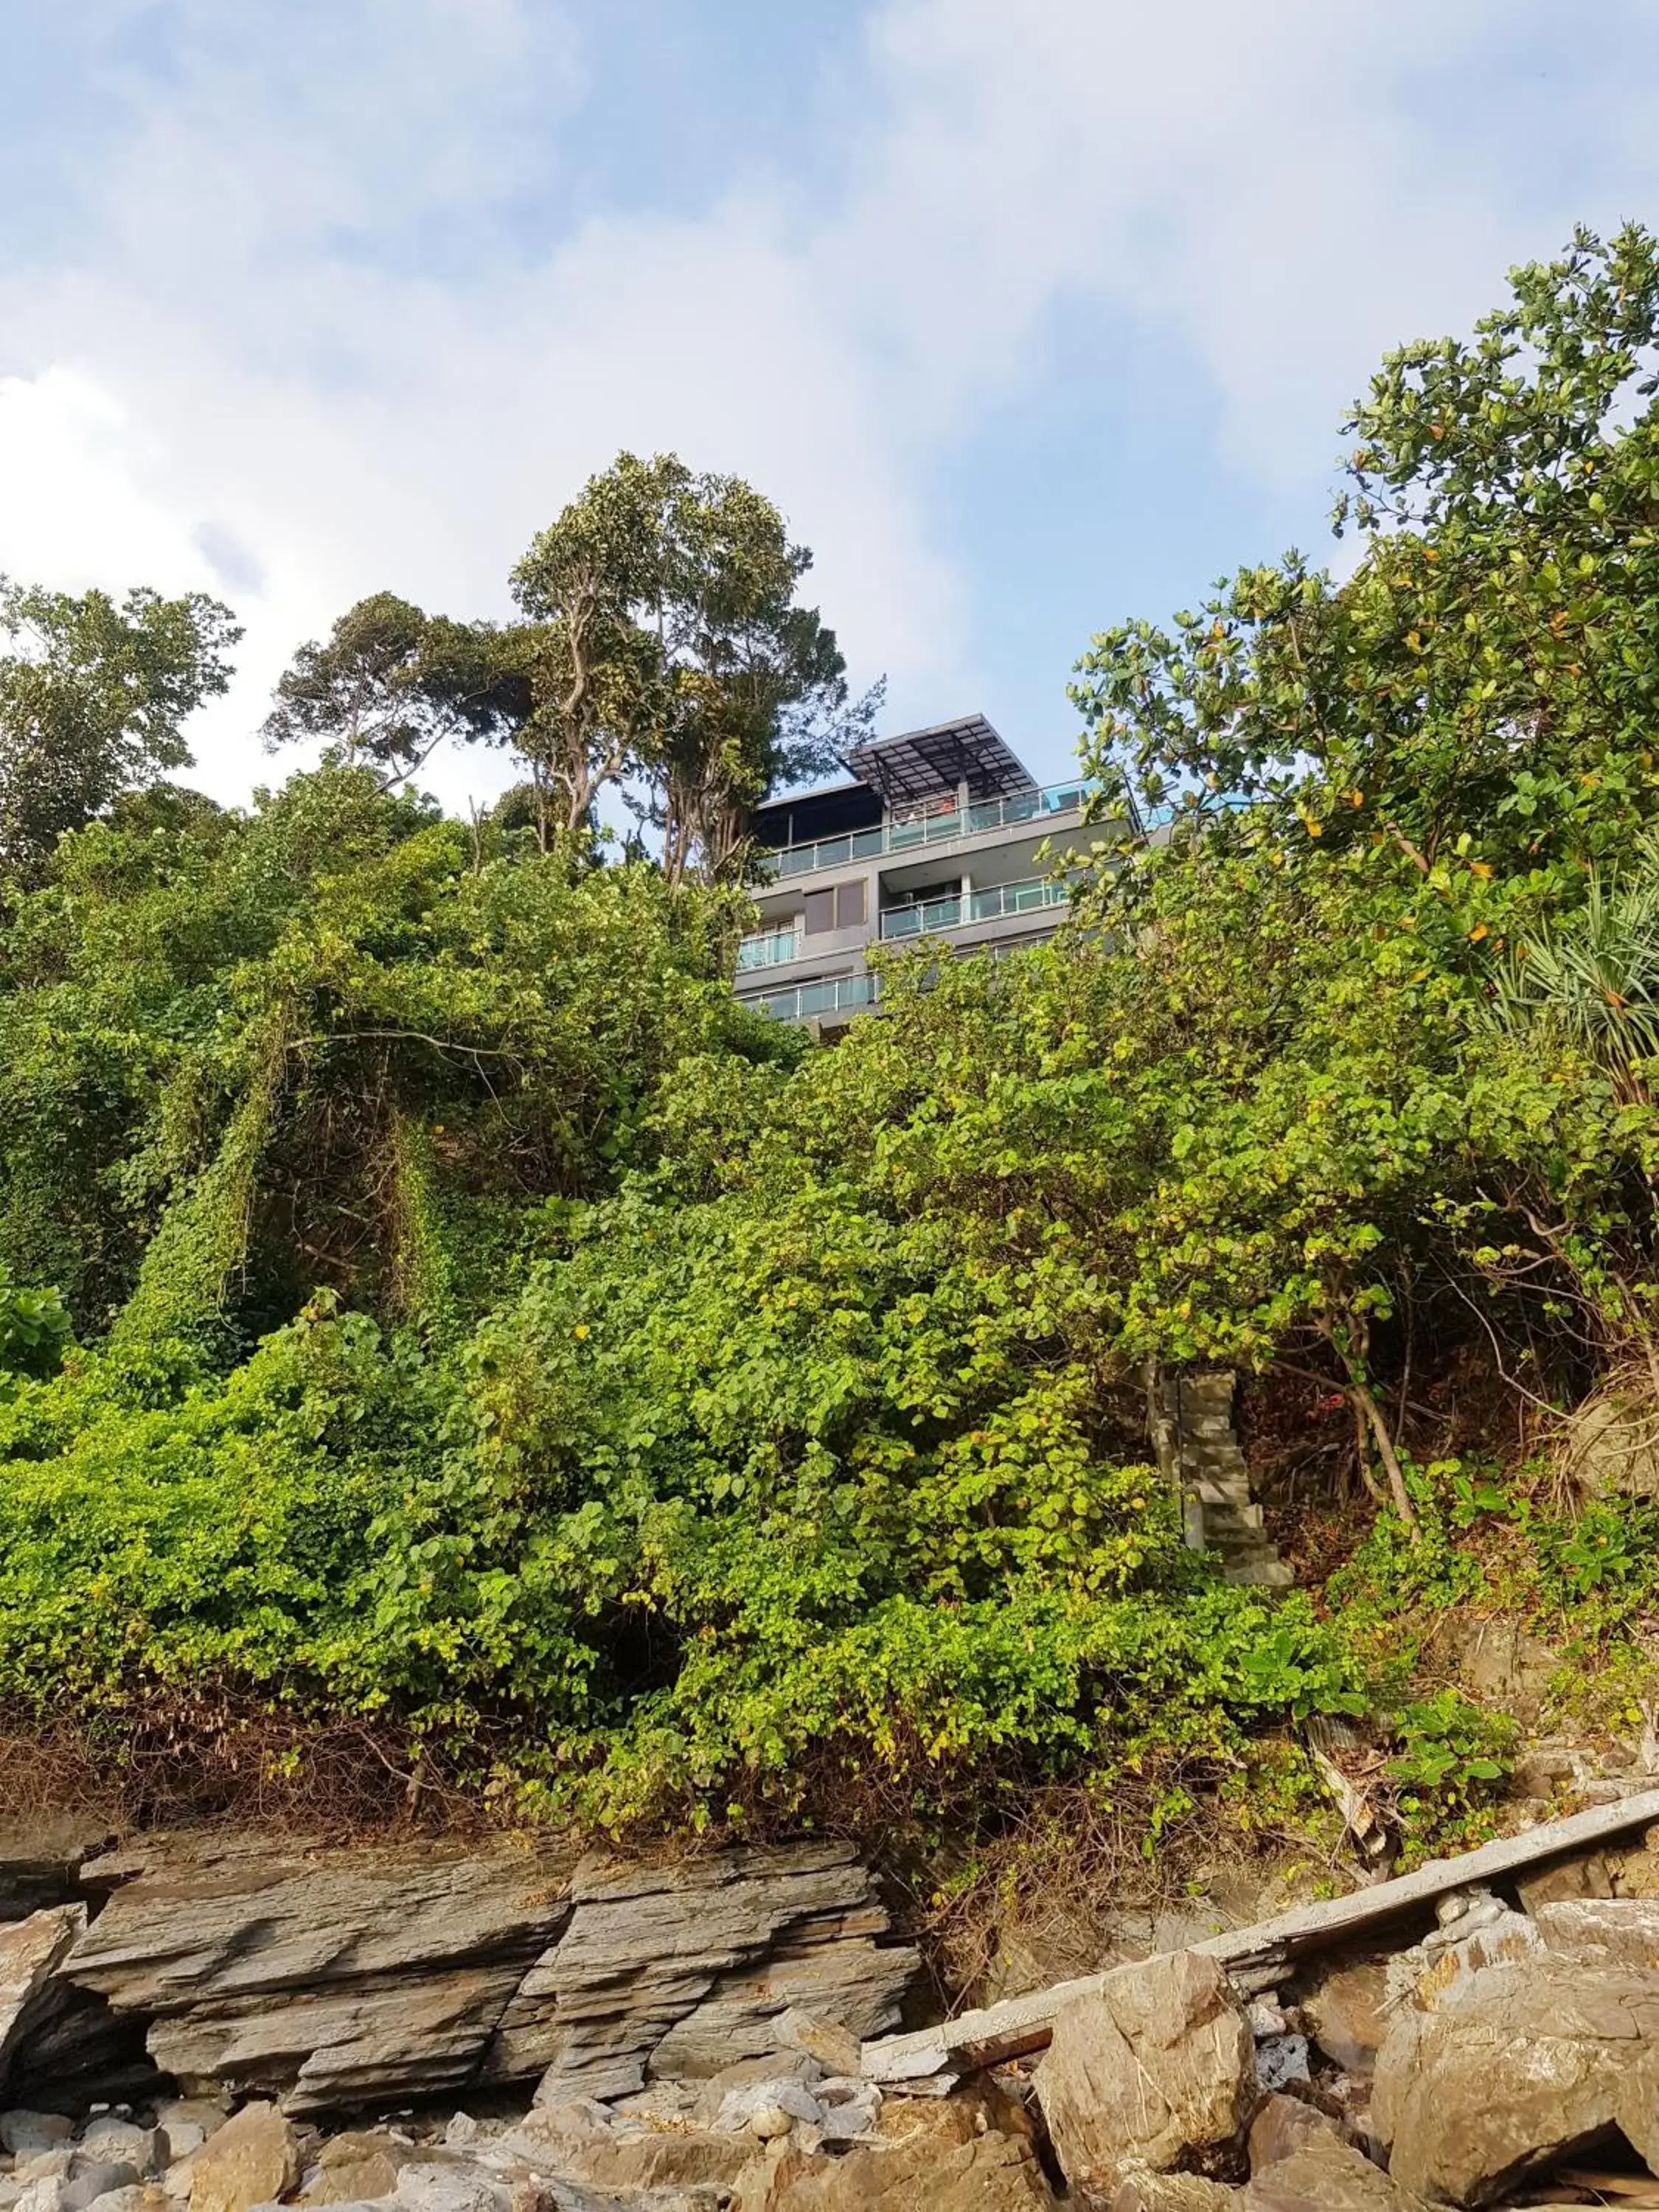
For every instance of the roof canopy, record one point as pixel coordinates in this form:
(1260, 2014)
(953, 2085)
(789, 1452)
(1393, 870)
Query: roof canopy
(926, 764)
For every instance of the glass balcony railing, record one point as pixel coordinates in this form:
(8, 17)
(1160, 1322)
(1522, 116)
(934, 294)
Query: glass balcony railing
(766, 948)
(926, 915)
(908, 833)
(839, 994)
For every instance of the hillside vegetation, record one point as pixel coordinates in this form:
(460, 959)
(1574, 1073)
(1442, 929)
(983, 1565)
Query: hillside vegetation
(432, 1303)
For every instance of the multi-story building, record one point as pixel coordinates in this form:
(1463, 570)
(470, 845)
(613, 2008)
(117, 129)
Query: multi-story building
(938, 836)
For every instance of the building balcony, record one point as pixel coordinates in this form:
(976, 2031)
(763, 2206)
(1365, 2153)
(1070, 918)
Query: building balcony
(767, 948)
(805, 1002)
(924, 917)
(937, 822)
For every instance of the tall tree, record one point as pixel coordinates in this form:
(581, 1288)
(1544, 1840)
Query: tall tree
(392, 683)
(670, 647)
(94, 695)
(595, 670)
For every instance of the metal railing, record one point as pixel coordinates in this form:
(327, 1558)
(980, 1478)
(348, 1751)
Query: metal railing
(837, 994)
(766, 948)
(925, 916)
(910, 833)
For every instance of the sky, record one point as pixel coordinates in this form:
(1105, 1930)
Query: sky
(1032, 315)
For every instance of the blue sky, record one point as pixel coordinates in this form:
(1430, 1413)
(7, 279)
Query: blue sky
(1031, 314)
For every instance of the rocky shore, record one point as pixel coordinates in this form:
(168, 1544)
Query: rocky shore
(217, 2023)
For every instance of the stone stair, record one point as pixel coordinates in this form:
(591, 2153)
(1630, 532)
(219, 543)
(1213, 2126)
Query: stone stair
(1192, 1427)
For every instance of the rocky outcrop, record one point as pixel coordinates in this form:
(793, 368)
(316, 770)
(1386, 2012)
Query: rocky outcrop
(679, 1970)
(341, 1977)
(332, 1978)
(1489, 2075)
(1154, 2071)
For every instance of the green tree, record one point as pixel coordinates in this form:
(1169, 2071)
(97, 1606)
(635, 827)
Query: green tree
(392, 683)
(666, 646)
(94, 695)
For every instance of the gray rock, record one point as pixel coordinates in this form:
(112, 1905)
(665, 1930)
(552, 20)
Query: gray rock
(147, 2150)
(41, 1858)
(31, 1951)
(679, 1970)
(334, 1977)
(1281, 2059)
(443, 2188)
(25, 2133)
(90, 2178)
(758, 2105)
(341, 1979)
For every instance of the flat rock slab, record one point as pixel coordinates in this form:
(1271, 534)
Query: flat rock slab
(334, 1977)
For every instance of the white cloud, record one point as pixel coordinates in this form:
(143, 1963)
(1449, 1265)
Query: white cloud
(310, 346)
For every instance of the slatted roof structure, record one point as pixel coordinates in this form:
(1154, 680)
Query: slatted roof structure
(924, 764)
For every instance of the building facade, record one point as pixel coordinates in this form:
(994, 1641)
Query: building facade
(936, 836)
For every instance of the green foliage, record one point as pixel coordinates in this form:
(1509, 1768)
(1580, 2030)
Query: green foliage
(1452, 1757)
(35, 1331)
(92, 698)
(392, 683)
(492, 1328)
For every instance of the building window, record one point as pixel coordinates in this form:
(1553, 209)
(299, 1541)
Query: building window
(820, 912)
(849, 905)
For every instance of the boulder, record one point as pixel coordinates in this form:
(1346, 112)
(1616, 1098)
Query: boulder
(253, 2159)
(146, 2149)
(583, 2144)
(362, 2164)
(1611, 1443)
(1345, 2009)
(1156, 2070)
(24, 2134)
(1174, 2192)
(678, 1970)
(1324, 2174)
(836, 2049)
(1282, 2126)
(92, 2178)
(769, 2108)
(711, 2096)
(989, 2172)
(1592, 1874)
(1603, 1931)
(31, 1951)
(1487, 2080)
(441, 2186)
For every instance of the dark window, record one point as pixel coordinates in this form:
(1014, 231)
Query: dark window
(849, 905)
(820, 912)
